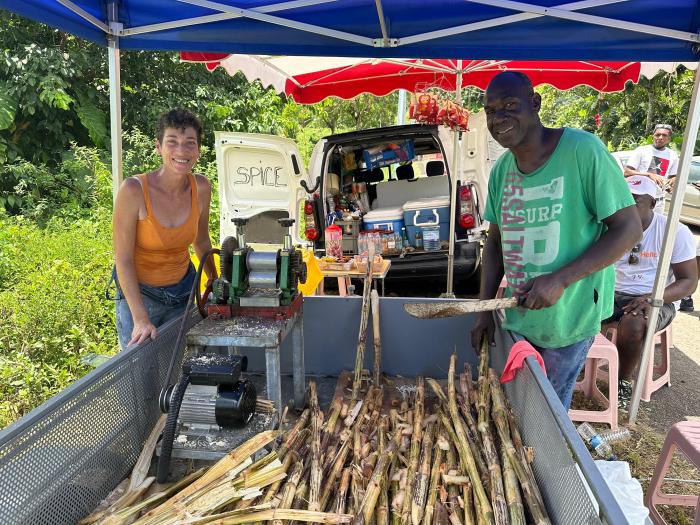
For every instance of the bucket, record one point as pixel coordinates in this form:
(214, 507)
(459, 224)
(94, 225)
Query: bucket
(431, 238)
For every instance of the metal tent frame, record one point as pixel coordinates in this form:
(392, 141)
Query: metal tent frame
(70, 16)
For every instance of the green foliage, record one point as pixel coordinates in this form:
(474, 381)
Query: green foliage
(52, 306)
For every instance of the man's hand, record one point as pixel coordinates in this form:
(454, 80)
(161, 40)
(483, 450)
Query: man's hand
(638, 306)
(541, 292)
(658, 179)
(143, 329)
(483, 327)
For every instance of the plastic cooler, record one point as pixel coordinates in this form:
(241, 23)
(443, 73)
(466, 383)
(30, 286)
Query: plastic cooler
(384, 219)
(434, 211)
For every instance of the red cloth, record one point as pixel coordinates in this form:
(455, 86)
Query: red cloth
(516, 359)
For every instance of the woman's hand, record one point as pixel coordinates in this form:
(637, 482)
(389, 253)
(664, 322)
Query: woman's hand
(143, 329)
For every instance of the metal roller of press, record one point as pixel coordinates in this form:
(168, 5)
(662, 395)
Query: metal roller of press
(263, 268)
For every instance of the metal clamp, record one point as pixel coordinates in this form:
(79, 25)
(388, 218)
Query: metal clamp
(658, 303)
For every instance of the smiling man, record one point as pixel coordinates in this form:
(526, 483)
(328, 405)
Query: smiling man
(656, 161)
(561, 214)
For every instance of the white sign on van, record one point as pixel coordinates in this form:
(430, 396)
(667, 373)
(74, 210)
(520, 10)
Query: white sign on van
(255, 174)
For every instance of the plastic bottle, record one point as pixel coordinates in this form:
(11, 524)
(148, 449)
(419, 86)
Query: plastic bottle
(404, 238)
(612, 436)
(590, 436)
(419, 239)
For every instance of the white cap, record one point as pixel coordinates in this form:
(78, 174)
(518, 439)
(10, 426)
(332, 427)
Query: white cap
(640, 185)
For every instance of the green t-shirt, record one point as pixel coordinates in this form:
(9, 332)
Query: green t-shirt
(547, 219)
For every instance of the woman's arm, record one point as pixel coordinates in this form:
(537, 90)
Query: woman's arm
(202, 243)
(126, 214)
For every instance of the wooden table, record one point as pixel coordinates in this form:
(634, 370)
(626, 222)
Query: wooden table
(344, 276)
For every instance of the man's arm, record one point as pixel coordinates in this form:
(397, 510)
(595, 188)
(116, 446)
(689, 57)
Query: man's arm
(624, 229)
(631, 171)
(491, 274)
(686, 274)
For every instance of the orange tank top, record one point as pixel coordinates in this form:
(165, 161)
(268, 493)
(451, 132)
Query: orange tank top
(161, 255)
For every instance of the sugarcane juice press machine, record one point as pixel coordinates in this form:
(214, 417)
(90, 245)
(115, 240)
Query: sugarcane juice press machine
(254, 305)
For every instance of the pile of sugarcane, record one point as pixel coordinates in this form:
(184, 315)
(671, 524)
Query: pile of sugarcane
(450, 456)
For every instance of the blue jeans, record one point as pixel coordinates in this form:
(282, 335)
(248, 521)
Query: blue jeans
(162, 303)
(563, 366)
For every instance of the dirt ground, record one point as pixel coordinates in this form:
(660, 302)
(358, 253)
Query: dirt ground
(669, 405)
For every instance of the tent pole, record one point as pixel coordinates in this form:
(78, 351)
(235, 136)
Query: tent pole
(456, 157)
(115, 95)
(689, 137)
(401, 109)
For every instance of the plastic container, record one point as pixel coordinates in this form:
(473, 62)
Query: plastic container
(370, 241)
(431, 238)
(385, 219)
(613, 436)
(424, 213)
(590, 436)
(334, 241)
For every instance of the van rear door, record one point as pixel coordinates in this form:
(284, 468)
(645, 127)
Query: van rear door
(259, 179)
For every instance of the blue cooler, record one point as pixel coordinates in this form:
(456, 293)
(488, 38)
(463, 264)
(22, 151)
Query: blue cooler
(384, 219)
(434, 211)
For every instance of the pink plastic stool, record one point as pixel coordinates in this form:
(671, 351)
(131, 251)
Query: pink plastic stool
(684, 436)
(663, 338)
(601, 350)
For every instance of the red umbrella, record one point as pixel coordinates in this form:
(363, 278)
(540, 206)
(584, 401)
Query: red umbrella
(311, 79)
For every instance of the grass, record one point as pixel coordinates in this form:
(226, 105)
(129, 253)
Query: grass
(642, 451)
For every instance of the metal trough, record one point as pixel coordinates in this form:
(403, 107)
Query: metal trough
(59, 461)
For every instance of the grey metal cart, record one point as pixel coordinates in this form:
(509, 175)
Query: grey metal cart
(60, 460)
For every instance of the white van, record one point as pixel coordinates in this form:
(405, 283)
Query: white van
(261, 178)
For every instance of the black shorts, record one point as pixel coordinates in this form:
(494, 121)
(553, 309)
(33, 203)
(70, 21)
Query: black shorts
(666, 313)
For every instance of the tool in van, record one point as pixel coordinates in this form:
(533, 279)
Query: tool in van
(456, 308)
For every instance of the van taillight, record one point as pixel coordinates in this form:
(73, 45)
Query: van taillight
(311, 233)
(308, 208)
(466, 208)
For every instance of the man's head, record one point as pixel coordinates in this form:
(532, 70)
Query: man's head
(179, 119)
(662, 135)
(643, 191)
(512, 108)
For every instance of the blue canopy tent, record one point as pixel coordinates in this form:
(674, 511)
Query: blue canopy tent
(634, 30)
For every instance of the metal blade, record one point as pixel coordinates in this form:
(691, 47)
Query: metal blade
(455, 308)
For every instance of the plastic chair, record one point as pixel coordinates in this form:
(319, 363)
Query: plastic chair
(664, 339)
(684, 436)
(601, 350)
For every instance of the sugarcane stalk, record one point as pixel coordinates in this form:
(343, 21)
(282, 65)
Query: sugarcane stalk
(315, 476)
(483, 406)
(334, 473)
(451, 466)
(533, 499)
(366, 510)
(292, 434)
(357, 492)
(420, 488)
(465, 454)
(515, 502)
(454, 517)
(434, 480)
(362, 336)
(279, 515)
(341, 496)
(416, 439)
(289, 489)
(465, 407)
(498, 496)
(331, 422)
(441, 514)
(382, 515)
(377, 338)
(467, 499)
(301, 495)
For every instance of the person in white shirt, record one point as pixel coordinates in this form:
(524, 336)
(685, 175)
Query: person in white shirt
(657, 162)
(634, 278)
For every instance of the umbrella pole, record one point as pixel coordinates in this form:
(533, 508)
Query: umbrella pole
(115, 100)
(454, 174)
(689, 137)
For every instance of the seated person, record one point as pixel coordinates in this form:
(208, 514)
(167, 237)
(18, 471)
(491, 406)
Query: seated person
(635, 274)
